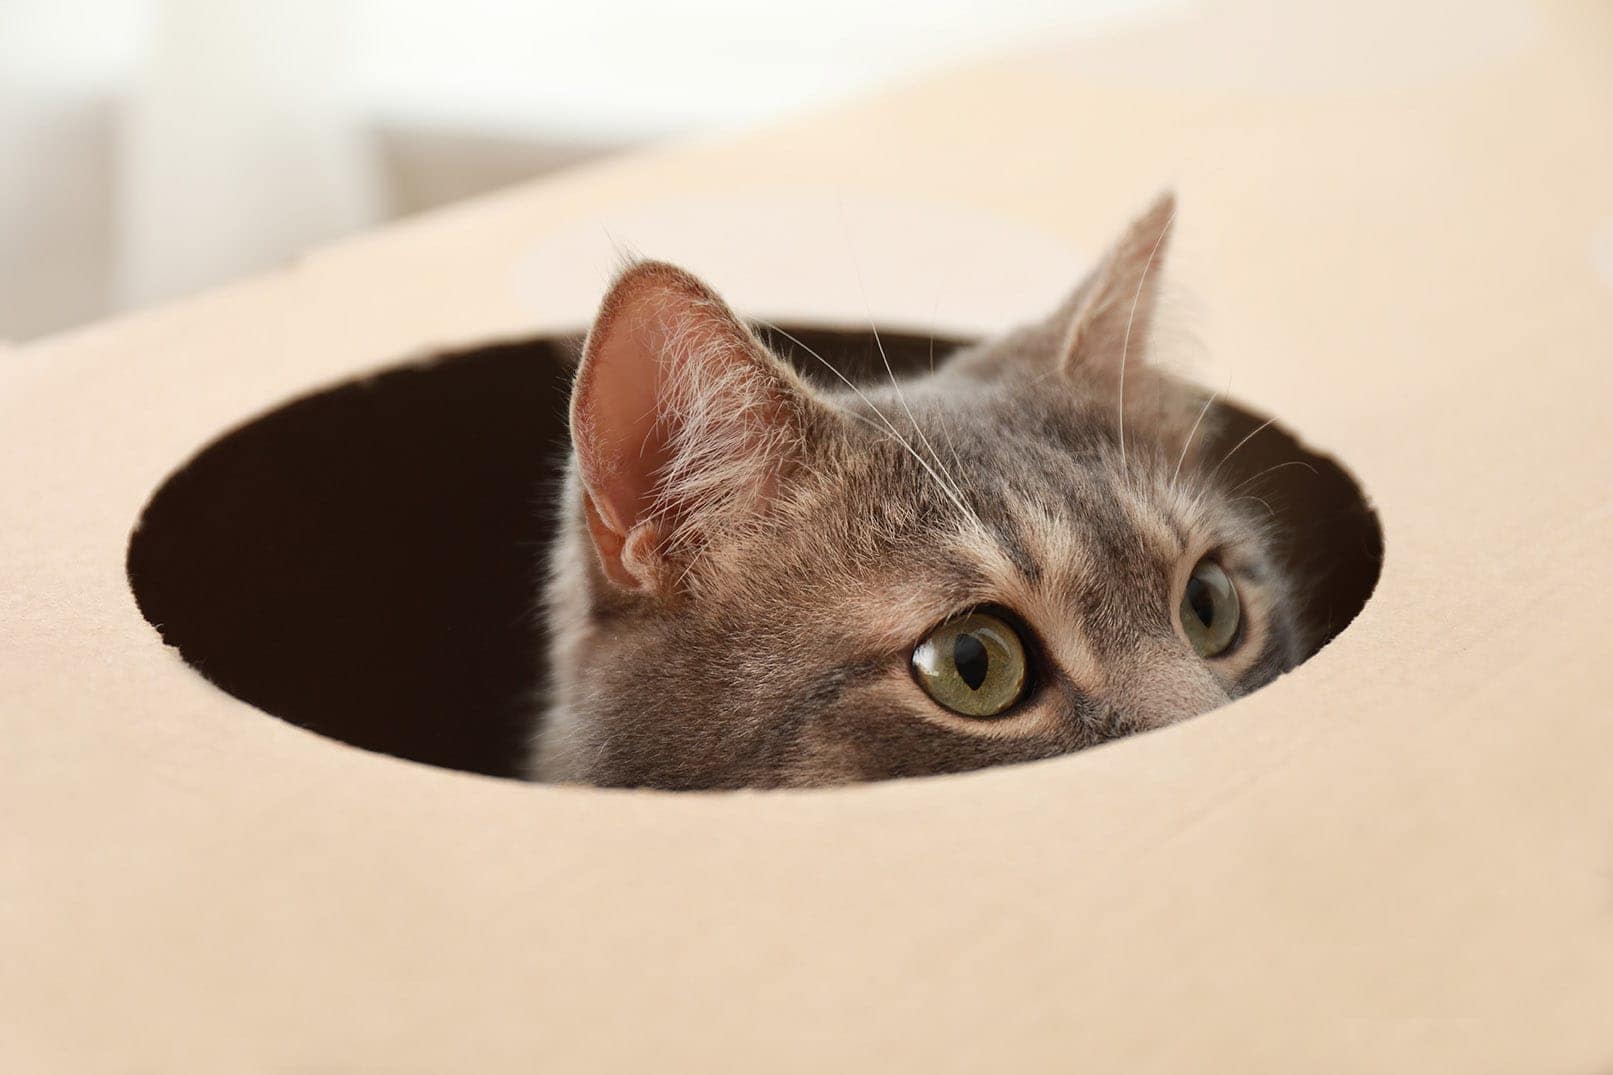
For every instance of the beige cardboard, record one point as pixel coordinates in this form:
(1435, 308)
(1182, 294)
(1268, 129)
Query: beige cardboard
(1399, 858)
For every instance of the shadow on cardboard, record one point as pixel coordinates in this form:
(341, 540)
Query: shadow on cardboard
(364, 562)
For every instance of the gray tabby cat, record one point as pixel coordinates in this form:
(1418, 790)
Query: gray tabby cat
(764, 584)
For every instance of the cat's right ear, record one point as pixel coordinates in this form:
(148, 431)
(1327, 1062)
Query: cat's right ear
(682, 422)
(1102, 330)
(1107, 322)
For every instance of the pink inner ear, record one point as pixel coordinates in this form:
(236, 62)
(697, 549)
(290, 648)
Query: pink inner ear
(621, 442)
(679, 418)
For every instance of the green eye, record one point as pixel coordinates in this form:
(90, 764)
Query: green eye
(1210, 613)
(974, 665)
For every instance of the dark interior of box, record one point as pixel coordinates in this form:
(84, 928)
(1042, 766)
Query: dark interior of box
(365, 561)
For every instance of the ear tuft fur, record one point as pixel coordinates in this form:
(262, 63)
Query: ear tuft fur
(682, 422)
(1109, 320)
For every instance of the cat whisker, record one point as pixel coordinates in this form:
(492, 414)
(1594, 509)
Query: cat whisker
(946, 427)
(957, 501)
(1246, 439)
(1125, 344)
(953, 491)
(1270, 469)
(1259, 500)
(1191, 433)
(902, 399)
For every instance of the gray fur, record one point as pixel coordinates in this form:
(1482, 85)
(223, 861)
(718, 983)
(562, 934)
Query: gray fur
(770, 646)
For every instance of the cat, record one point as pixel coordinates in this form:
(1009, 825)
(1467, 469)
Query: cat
(761, 583)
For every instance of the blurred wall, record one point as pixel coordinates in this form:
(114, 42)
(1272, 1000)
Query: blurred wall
(149, 148)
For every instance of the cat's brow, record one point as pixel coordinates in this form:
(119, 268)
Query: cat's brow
(1007, 533)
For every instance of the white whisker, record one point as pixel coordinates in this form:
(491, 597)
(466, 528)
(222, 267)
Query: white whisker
(946, 427)
(879, 345)
(1259, 500)
(1125, 344)
(956, 500)
(1270, 469)
(1208, 403)
(1247, 438)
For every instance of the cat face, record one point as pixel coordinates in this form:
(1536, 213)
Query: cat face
(1020, 555)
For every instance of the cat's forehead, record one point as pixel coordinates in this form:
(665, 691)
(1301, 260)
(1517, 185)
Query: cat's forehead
(957, 493)
(992, 420)
(1056, 563)
(952, 503)
(1037, 444)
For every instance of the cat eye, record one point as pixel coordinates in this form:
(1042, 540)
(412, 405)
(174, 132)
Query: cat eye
(1210, 612)
(974, 665)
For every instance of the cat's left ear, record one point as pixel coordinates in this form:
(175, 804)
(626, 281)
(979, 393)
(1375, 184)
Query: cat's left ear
(1107, 323)
(684, 425)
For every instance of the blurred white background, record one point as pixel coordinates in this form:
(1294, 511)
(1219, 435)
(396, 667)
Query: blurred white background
(149, 148)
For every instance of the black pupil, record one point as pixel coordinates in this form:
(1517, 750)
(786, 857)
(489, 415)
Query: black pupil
(970, 658)
(1201, 600)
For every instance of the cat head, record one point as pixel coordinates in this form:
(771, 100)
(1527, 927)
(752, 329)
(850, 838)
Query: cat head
(765, 583)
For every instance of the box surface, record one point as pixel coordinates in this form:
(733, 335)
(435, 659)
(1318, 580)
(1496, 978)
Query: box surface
(1399, 233)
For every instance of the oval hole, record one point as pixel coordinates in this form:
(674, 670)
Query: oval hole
(364, 562)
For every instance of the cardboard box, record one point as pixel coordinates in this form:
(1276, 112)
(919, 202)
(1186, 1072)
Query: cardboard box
(1398, 229)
